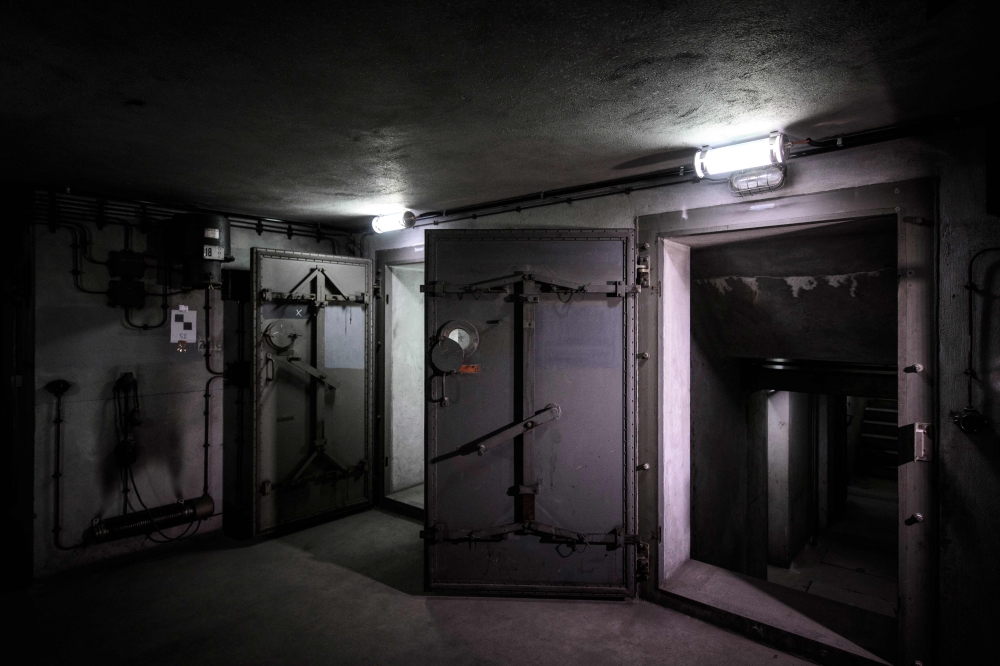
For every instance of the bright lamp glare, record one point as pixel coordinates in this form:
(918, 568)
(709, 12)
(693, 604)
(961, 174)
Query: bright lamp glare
(393, 222)
(762, 152)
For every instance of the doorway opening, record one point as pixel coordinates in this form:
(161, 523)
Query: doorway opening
(403, 351)
(833, 498)
(779, 389)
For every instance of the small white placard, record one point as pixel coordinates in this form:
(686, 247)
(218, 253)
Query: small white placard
(212, 233)
(216, 252)
(183, 325)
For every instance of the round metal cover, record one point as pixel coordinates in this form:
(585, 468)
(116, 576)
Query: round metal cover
(464, 333)
(447, 355)
(280, 335)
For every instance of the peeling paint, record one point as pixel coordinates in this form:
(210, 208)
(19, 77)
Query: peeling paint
(722, 284)
(752, 284)
(797, 283)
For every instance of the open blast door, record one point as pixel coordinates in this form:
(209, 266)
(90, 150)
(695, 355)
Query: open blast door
(312, 387)
(530, 412)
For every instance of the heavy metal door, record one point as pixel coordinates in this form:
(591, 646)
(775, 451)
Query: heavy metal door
(313, 397)
(530, 412)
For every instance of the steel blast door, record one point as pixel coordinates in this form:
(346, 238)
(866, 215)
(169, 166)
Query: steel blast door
(313, 397)
(530, 414)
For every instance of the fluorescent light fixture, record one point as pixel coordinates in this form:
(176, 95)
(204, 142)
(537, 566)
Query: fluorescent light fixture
(762, 152)
(393, 221)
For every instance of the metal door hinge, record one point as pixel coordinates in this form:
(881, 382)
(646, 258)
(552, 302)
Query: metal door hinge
(641, 562)
(642, 272)
(265, 488)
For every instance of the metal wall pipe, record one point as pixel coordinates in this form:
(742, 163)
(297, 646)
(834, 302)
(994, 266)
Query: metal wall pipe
(154, 520)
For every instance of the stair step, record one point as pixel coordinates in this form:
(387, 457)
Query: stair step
(882, 472)
(882, 403)
(866, 435)
(869, 453)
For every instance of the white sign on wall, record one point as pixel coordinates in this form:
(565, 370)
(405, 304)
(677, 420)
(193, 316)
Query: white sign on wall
(183, 325)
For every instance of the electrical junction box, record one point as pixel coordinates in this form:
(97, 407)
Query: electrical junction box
(126, 264)
(183, 325)
(129, 294)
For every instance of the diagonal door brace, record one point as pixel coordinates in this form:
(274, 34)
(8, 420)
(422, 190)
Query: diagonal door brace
(483, 444)
(297, 362)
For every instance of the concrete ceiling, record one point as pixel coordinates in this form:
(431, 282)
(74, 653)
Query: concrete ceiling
(337, 111)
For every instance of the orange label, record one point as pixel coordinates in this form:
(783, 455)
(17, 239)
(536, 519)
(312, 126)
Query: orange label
(469, 370)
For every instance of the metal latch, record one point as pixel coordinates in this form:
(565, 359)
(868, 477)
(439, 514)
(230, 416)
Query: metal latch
(914, 443)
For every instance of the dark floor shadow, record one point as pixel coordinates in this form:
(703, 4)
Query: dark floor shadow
(866, 629)
(377, 544)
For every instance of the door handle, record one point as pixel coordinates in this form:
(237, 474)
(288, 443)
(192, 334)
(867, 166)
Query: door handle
(443, 400)
(268, 368)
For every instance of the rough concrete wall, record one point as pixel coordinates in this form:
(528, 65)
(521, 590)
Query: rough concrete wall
(80, 339)
(718, 458)
(406, 347)
(969, 467)
(827, 293)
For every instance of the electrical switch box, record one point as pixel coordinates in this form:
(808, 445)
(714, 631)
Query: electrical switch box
(127, 264)
(127, 294)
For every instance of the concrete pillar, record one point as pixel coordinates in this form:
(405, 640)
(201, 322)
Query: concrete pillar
(790, 452)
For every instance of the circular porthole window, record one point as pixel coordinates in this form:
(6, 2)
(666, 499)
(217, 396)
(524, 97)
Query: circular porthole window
(464, 333)
(280, 335)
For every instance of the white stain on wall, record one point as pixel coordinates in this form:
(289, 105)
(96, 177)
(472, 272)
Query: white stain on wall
(797, 283)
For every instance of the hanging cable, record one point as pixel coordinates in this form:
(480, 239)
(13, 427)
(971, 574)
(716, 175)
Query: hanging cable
(972, 289)
(152, 519)
(58, 388)
(127, 416)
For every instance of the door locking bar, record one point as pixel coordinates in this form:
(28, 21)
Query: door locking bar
(331, 469)
(614, 539)
(297, 362)
(546, 283)
(291, 295)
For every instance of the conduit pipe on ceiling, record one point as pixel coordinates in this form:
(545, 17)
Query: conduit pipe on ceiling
(685, 173)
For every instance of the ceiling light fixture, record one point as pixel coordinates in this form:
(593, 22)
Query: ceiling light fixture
(748, 155)
(393, 221)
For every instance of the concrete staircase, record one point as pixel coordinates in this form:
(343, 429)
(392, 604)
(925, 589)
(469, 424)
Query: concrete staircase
(878, 448)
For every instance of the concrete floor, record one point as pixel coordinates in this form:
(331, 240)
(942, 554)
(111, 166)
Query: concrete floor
(347, 592)
(412, 496)
(854, 561)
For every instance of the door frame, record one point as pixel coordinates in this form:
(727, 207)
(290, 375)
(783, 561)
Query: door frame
(914, 204)
(413, 254)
